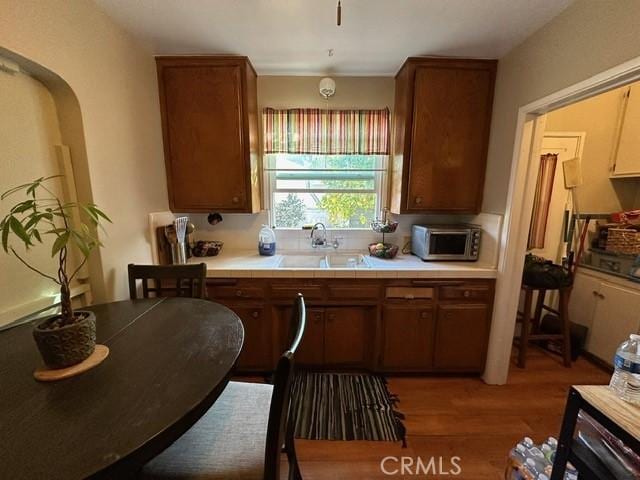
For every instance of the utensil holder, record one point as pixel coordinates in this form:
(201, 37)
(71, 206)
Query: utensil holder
(178, 253)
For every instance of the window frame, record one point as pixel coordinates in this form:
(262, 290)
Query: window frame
(381, 187)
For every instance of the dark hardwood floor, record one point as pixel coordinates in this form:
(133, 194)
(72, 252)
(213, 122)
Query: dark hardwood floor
(462, 417)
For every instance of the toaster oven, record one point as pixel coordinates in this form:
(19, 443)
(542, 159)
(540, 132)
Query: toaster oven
(456, 242)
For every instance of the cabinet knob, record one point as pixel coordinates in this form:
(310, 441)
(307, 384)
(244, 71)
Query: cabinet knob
(255, 314)
(424, 314)
(332, 317)
(235, 199)
(238, 293)
(418, 200)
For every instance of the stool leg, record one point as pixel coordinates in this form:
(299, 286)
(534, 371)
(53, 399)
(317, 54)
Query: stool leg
(538, 312)
(566, 326)
(524, 332)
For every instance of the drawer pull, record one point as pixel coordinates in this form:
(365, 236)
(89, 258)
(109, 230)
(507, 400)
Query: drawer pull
(235, 199)
(255, 314)
(424, 314)
(418, 200)
(238, 293)
(466, 294)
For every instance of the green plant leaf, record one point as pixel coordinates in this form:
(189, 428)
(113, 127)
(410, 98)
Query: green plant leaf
(5, 235)
(100, 212)
(19, 230)
(60, 243)
(23, 206)
(36, 234)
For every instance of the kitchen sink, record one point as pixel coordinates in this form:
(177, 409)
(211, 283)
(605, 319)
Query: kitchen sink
(345, 260)
(336, 260)
(303, 261)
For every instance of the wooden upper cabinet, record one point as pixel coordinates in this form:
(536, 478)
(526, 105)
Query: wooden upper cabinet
(210, 133)
(441, 133)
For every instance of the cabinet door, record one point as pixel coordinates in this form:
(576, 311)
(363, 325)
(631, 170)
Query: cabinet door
(203, 133)
(582, 302)
(616, 316)
(451, 116)
(627, 163)
(311, 349)
(461, 338)
(408, 334)
(346, 335)
(256, 352)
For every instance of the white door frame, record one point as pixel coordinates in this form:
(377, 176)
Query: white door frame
(513, 242)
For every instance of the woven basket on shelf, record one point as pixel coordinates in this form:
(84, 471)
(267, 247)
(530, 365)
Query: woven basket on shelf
(623, 240)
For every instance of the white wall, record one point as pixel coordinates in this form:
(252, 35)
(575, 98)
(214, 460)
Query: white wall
(28, 132)
(587, 38)
(114, 80)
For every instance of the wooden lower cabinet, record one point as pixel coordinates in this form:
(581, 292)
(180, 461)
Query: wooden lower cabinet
(347, 336)
(407, 338)
(392, 326)
(257, 350)
(334, 336)
(461, 336)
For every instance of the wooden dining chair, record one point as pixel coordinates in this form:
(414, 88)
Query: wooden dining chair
(168, 280)
(242, 436)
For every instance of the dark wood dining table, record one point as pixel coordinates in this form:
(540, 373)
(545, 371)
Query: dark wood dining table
(169, 361)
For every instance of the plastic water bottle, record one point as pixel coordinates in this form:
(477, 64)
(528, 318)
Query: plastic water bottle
(626, 376)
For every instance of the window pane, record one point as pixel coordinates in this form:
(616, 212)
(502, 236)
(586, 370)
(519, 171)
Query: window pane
(288, 161)
(335, 210)
(325, 180)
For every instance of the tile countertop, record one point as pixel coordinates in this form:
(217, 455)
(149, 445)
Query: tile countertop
(248, 264)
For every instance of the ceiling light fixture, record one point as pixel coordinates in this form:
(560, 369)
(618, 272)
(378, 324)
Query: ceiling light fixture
(339, 13)
(327, 87)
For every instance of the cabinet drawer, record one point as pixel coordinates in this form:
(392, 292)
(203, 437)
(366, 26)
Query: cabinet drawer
(234, 289)
(409, 293)
(466, 293)
(354, 292)
(288, 291)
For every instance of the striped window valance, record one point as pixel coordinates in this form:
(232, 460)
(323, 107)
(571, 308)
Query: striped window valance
(326, 132)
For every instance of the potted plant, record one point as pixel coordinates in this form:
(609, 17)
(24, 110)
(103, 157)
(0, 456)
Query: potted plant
(68, 337)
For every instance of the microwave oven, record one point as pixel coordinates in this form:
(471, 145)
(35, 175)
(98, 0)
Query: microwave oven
(456, 242)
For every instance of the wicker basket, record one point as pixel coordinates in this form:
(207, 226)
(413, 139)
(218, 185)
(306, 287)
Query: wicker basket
(623, 240)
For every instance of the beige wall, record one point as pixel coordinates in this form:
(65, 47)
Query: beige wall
(28, 132)
(597, 117)
(114, 80)
(587, 38)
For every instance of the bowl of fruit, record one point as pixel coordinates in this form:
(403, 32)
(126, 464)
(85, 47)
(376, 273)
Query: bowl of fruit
(383, 250)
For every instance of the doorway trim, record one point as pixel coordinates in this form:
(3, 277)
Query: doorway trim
(530, 128)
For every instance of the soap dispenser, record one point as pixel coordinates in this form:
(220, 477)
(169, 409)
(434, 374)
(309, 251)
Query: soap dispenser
(266, 241)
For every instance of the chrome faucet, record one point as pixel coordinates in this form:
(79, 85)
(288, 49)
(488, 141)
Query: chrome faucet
(321, 241)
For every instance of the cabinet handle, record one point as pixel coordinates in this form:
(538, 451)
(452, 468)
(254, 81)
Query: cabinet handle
(238, 293)
(466, 294)
(449, 315)
(255, 314)
(235, 199)
(424, 314)
(598, 294)
(418, 200)
(332, 317)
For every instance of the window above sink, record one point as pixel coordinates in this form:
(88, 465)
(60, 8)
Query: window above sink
(327, 166)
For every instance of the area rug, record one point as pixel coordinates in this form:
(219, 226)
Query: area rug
(345, 406)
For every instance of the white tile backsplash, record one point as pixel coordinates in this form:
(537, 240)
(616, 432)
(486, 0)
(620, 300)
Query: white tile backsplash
(240, 232)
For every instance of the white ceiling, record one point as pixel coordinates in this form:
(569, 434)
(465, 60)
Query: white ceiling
(294, 36)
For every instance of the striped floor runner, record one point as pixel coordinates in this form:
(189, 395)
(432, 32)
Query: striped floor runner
(343, 406)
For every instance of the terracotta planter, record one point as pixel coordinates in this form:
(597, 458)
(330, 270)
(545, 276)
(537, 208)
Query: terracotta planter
(62, 347)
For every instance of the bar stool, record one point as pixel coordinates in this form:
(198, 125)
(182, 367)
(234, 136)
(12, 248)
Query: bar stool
(530, 330)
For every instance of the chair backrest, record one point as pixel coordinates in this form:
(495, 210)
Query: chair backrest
(281, 396)
(168, 280)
